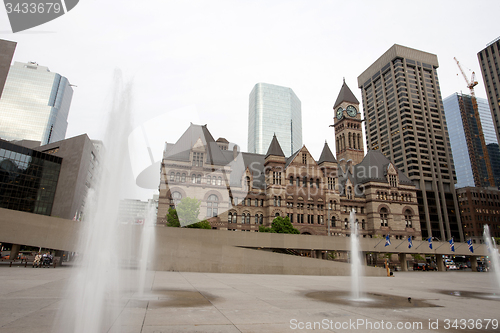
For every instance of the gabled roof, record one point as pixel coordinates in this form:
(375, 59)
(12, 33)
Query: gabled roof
(374, 168)
(275, 148)
(181, 150)
(345, 95)
(326, 155)
(290, 159)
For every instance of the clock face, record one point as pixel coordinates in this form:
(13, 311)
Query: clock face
(340, 113)
(351, 111)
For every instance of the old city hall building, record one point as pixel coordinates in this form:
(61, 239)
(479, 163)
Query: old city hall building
(241, 191)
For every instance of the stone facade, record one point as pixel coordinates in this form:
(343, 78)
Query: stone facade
(242, 191)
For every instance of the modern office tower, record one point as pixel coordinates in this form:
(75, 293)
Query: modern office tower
(405, 120)
(274, 110)
(35, 104)
(488, 59)
(473, 166)
(7, 49)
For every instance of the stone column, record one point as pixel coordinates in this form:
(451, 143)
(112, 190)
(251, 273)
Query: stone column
(473, 263)
(402, 261)
(440, 263)
(363, 258)
(14, 251)
(319, 254)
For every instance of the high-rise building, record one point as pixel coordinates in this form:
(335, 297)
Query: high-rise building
(7, 49)
(35, 104)
(488, 59)
(274, 110)
(405, 120)
(473, 166)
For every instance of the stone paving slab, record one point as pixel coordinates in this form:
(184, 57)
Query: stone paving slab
(31, 300)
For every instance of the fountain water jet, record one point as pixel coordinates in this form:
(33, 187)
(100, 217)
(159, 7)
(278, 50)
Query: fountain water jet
(96, 287)
(357, 269)
(493, 254)
(147, 246)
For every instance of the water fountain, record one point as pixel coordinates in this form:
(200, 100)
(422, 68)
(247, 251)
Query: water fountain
(357, 269)
(493, 255)
(95, 290)
(146, 247)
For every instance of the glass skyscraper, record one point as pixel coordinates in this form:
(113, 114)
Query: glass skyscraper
(35, 104)
(469, 158)
(274, 110)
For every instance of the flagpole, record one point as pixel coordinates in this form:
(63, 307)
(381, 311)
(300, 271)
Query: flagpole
(459, 246)
(440, 246)
(419, 245)
(378, 243)
(400, 244)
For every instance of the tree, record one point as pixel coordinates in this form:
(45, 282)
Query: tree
(200, 225)
(280, 225)
(188, 210)
(172, 218)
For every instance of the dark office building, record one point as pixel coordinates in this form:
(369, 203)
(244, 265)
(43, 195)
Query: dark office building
(488, 60)
(405, 120)
(28, 179)
(7, 49)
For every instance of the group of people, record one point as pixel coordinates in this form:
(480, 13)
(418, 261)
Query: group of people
(43, 260)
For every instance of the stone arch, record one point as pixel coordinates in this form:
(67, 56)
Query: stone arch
(209, 193)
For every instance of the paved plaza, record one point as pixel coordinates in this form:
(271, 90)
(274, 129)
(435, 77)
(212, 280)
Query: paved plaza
(30, 300)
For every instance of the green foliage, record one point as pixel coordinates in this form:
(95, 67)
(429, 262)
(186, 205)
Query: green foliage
(200, 225)
(280, 225)
(497, 240)
(417, 257)
(188, 210)
(172, 218)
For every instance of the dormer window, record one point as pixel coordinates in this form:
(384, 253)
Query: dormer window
(393, 181)
(197, 159)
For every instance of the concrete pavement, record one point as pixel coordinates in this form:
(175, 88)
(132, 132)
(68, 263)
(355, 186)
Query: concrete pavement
(31, 299)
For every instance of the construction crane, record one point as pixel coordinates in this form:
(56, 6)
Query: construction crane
(468, 135)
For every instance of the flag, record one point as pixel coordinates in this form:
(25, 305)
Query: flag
(430, 242)
(387, 240)
(469, 243)
(452, 245)
(410, 243)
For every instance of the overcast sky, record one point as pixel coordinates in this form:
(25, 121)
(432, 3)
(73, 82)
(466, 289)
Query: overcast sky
(194, 61)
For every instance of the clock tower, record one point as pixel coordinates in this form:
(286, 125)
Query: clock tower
(347, 124)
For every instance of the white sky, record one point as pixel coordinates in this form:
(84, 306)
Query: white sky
(205, 57)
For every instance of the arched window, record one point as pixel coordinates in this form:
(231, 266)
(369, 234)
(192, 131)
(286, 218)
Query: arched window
(249, 202)
(209, 180)
(235, 218)
(279, 201)
(363, 225)
(193, 178)
(275, 201)
(172, 176)
(332, 222)
(383, 217)
(183, 178)
(261, 219)
(214, 180)
(291, 180)
(346, 224)
(317, 183)
(230, 217)
(359, 141)
(256, 202)
(311, 182)
(256, 218)
(177, 177)
(298, 181)
(408, 221)
(248, 218)
(198, 179)
(176, 198)
(349, 192)
(212, 205)
(219, 181)
(350, 140)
